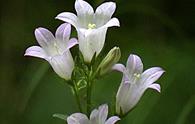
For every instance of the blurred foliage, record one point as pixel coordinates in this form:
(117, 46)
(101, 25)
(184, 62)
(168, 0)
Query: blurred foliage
(160, 32)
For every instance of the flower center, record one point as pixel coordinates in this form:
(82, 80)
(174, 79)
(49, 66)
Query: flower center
(57, 48)
(136, 75)
(91, 26)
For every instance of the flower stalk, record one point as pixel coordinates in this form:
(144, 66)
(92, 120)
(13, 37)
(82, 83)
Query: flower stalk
(89, 97)
(89, 90)
(75, 92)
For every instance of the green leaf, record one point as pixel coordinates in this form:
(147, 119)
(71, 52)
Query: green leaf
(60, 116)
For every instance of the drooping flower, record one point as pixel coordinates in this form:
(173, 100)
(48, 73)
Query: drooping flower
(55, 50)
(91, 26)
(98, 116)
(134, 83)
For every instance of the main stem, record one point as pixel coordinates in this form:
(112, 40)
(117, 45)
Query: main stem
(89, 83)
(77, 97)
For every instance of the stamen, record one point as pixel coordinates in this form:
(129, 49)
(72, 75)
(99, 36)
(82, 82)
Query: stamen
(136, 75)
(91, 26)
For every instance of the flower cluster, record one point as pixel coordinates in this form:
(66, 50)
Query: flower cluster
(87, 66)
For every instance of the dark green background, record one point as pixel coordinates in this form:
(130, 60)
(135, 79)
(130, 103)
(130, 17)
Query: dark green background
(161, 32)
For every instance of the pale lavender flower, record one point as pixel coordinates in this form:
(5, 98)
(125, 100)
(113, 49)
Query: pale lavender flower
(55, 50)
(134, 83)
(98, 116)
(91, 26)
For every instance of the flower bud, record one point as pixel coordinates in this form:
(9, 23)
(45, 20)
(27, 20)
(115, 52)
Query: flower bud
(111, 58)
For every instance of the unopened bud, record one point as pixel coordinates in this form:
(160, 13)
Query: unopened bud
(111, 58)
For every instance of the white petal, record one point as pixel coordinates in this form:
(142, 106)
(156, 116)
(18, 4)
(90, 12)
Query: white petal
(134, 95)
(103, 113)
(72, 42)
(119, 67)
(71, 120)
(112, 22)
(121, 96)
(128, 96)
(134, 65)
(77, 118)
(93, 116)
(112, 120)
(91, 42)
(63, 32)
(155, 87)
(83, 8)
(86, 46)
(104, 12)
(63, 65)
(36, 51)
(68, 17)
(106, 9)
(151, 75)
(44, 37)
(84, 12)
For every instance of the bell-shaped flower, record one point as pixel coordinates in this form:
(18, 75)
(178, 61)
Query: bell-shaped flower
(55, 50)
(134, 83)
(98, 116)
(91, 26)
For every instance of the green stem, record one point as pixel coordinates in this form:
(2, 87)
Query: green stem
(75, 89)
(89, 97)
